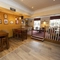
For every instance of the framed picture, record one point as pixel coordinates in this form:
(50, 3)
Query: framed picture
(5, 15)
(17, 21)
(0, 21)
(5, 21)
(11, 22)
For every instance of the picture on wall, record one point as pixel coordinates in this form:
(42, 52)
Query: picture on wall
(11, 22)
(16, 21)
(5, 15)
(22, 22)
(5, 21)
(0, 21)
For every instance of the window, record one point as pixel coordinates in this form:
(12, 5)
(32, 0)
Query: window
(37, 25)
(55, 23)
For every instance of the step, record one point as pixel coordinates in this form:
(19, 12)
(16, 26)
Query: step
(42, 39)
(38, 37)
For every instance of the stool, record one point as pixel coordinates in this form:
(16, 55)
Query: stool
(4, 44)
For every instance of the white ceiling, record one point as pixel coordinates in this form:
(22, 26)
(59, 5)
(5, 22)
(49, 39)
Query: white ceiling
(37, 4)
(25, 6)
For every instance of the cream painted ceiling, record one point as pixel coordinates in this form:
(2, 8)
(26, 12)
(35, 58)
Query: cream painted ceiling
(37, 4)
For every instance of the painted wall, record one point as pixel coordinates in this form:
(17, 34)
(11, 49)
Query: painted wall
(45, 19)
(8, 27)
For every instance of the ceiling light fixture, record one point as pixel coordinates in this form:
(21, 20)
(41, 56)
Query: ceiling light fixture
(53, 0)
(21, 0)
(32, 7)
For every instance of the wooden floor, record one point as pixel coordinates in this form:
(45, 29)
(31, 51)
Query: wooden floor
(31, 50)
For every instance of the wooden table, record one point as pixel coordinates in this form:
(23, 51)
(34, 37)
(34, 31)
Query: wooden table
(3, 35)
